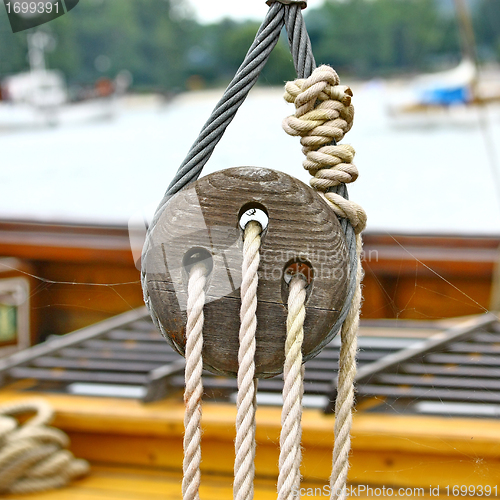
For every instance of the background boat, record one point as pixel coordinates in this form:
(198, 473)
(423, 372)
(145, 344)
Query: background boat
(40, 97)
(467, 95)
(453, 98)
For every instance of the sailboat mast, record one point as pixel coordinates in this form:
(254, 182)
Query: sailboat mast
(469, 50)
(37, 43)
(467, 38)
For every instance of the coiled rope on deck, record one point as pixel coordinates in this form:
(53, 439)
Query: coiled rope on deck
(33, 457)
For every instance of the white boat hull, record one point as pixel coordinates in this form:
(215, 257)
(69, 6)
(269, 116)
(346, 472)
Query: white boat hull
(23, 116)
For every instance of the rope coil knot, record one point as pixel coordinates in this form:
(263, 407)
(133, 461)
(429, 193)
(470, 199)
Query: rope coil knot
(33, 456)
(324, 114)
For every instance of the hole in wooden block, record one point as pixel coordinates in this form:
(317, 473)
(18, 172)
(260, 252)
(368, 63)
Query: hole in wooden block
(298, 267)
(253, 211)
(196, 255)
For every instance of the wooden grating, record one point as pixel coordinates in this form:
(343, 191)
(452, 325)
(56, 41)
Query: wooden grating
(411, 367)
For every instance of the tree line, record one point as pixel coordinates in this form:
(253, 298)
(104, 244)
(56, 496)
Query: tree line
(166, 49)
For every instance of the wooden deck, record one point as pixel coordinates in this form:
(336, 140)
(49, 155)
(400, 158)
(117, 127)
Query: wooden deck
(132, 483)
(136, 449)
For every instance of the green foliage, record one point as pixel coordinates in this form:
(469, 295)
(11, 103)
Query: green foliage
(487, 28)
(137, 35)
(228, 42)
(13, 55)
(369, 37)
(164, 50)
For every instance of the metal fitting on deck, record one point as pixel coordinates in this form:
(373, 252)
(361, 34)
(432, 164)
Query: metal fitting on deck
(302, 3)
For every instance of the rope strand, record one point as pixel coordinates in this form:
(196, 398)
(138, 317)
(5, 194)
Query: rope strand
(244, 467)
(344, 401)
(293, 390)
(194, 386)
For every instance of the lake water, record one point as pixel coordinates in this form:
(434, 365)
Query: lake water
(426, 179)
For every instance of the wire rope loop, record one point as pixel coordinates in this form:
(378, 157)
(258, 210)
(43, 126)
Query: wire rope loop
(301, 3)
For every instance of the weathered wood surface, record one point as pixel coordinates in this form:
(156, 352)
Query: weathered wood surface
(206, 216)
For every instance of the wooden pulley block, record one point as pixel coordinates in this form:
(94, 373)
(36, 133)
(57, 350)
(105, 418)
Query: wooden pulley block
(205, 221)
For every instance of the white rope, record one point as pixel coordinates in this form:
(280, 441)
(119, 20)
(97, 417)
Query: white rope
(244, 467)
(293, 390)
(194, 385)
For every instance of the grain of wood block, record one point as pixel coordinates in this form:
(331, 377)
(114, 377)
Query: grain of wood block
(302, 230)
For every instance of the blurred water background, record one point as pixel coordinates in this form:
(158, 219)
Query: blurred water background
(434, 179)
(416, 176)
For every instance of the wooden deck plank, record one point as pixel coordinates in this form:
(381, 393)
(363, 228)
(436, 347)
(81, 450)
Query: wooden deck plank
(372, 431)
(113, 483)
(129, 483)
(404, 450)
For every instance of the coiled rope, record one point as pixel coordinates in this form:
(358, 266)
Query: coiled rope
(323, 115)
(33, 457)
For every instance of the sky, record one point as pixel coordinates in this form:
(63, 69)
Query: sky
(208, 11)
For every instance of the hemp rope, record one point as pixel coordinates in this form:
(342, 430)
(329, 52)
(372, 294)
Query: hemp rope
(194, 385)
(293, 390)
(246, 403)
(324, 114)
(344, 402)
(32, 455)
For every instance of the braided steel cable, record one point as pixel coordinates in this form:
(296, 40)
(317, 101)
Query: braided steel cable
(298, 40)
(237, 91)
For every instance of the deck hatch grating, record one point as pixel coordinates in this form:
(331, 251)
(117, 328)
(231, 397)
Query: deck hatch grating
(127, 351)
